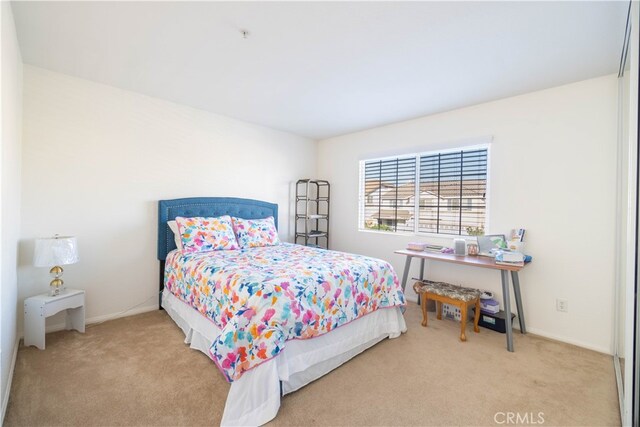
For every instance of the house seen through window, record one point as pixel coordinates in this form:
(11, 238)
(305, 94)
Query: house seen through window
(442, 192)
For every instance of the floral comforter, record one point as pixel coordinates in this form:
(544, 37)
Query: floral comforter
(262, 297)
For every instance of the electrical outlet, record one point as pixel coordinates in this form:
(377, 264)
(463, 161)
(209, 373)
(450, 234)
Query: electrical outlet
(562, 305)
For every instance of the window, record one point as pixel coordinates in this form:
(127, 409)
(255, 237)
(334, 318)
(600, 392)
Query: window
(445, 191)
(389, 188)
(454, 204)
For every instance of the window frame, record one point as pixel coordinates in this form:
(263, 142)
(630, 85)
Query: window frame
(416, 205)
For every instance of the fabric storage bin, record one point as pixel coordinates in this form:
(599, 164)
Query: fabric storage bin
(495, 322)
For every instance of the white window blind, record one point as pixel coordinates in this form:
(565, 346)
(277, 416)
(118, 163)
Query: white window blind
(450, 197)
(389, 194)
(447, 182)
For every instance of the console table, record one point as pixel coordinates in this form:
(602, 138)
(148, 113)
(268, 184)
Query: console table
(475, 261)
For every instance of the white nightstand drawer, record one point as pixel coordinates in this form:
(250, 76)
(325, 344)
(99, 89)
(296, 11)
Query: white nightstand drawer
(63, 302)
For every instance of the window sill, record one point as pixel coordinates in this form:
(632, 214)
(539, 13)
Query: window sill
(420, 235)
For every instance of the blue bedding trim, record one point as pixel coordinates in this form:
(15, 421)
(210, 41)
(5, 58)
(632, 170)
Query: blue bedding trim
(208, 207)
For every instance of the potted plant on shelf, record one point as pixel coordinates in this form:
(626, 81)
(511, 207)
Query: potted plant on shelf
(472, 248)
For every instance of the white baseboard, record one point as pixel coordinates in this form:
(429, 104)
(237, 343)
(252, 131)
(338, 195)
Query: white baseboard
(571, 341)
(7, 391)
(516, 327)
(104, 318)
(132, 312)
(98, 319)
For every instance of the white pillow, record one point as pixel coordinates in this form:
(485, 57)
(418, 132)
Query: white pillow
(173, 225)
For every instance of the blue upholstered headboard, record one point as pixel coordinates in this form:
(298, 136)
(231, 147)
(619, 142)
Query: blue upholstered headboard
(209, 207)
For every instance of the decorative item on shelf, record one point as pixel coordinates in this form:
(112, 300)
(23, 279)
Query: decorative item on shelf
(54, 252)
(516, 240)
(517, 234)
(472, 249)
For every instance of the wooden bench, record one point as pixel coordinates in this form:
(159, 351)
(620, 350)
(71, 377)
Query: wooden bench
(447, 293)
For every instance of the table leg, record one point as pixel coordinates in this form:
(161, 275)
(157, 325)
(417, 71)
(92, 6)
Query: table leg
(405, 275)
(425, 316)
(34, 328)
(476, 317)
(506, 299)
(421, 274)
(516, 291)
(75, 319)
(463, 321)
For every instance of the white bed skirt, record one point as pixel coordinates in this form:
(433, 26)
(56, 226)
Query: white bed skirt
(254, 399)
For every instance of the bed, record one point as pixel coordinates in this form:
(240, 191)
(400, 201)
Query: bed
(272, 319)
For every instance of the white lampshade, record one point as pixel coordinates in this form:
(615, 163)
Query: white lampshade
(55, 251)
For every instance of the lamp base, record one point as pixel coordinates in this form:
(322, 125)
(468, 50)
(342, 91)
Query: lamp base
(57, 284)
(56, 287)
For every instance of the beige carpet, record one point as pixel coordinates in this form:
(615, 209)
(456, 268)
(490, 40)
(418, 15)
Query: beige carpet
(137, 371)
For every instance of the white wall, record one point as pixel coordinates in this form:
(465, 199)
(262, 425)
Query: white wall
(552, 171)
(9, 194)
(97, 159)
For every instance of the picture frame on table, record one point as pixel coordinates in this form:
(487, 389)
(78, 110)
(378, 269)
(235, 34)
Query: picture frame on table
(490, 243)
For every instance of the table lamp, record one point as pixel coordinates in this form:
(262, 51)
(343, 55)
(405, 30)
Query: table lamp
(54, 252)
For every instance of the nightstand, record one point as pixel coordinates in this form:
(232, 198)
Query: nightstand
(39, 307)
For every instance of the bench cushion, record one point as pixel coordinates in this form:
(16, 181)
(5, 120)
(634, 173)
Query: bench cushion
(459, 293)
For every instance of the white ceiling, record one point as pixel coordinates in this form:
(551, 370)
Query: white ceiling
(324, 69)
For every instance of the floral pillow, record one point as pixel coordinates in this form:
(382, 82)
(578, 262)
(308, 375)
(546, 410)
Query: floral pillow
(252, 233)
(200, 234)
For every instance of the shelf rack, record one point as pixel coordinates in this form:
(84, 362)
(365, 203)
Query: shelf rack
(312, 212)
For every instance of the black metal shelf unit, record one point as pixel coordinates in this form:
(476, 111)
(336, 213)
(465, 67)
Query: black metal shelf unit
(312, 212)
